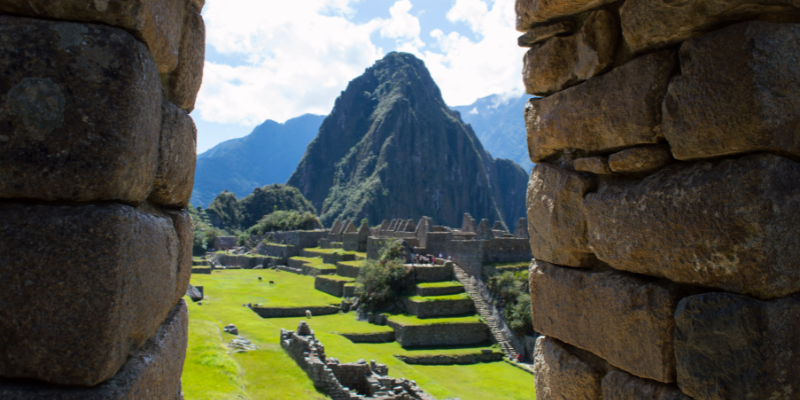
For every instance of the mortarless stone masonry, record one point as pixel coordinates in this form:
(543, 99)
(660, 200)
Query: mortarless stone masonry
(687, 151)
(94, 169)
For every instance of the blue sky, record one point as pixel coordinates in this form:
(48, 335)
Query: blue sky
(278, 59)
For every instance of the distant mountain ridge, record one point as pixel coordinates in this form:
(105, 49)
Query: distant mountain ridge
(391, 148)
(267, 155)
(500, 126)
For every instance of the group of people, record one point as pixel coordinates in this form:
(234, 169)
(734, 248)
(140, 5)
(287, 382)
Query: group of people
(429, 259)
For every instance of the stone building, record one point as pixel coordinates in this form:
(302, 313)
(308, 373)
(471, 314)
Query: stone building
(97, 162)
(663, 209)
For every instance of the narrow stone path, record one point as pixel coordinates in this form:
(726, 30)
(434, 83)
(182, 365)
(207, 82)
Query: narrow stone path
(485, 312)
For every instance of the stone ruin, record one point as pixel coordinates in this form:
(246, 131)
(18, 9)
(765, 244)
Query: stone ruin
(353, 381)
(97, 164)
(663, 208)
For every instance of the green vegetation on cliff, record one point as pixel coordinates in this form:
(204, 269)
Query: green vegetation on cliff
(226, 211)
(391, 148)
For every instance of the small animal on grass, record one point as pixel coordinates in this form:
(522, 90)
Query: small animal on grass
(271, 282)
(308, 313)
(259, 279)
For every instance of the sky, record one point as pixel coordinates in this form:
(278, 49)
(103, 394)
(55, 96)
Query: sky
(279, 59)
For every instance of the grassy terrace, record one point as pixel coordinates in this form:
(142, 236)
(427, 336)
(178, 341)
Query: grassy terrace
(337, 278)
(245, 255)
(439, 285)
(407, 320)
(212, 373)
(315, 262)
(449, 297)
(340, 251)
(356, 263)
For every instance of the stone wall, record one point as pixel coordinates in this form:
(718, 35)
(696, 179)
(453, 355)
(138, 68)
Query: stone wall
(439, 291)
(349, 271)
(445, 308)
(331, 285)
(281, 251)
(283, 312)
(442, 334)
(246, 262)
(664, 203)
(96, 166)
(462, 359)
(379, 337)
(433, 273)
(299, 239)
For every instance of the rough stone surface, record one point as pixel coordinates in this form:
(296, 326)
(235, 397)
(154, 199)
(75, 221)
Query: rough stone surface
(626, 320)
(639, 159)
(619, 385)
(185, 81)
(738, 93)
(79, 112)
(652, 24)
(561, 62)
(729, 224)
(152, 372)
(595, 165)
(544, 32)
(437, 335)
(532, 12)
(758, 358)
(556, 222)
(177, 158)
(199, 4)
(625, 104)
(109, 274)
(559, 374)
(184, 228)
(194, 294)
(157, 23)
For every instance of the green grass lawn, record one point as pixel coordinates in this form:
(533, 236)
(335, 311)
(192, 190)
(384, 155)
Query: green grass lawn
(268, 373)
(449, 297)
(315, 262)
(356, 263)
(439, 285)
(340, 251)
(338, 278)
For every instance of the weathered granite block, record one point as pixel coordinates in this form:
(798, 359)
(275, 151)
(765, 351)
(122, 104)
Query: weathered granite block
(79, 112)
(177, 158)
(561, 62)
(543, 32)
(729, 224)
(734, 347)
(109, 273)
(594, 165)
(625, 109)
(185, 81)
(152, 372)
(652, 24)
(639, 159)
(556, 221)
(739, 92)
(532, 12)
(625, 319)
(560, 374)
(157, 23)
(184, 228)
(619, 385)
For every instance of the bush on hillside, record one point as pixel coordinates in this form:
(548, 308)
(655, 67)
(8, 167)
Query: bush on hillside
(512, 289)
(382, 282)
(285, 221)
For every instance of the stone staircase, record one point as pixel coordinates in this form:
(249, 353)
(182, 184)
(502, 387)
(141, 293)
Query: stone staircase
(483, 309)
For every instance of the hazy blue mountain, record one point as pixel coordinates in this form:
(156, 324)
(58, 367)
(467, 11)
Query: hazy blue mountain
(268, 155)
(500, 126)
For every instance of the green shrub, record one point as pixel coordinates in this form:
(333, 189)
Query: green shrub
(382, 282)
(285, 221)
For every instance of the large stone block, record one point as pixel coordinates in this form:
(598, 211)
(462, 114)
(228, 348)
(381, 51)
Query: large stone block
(652, 24)
(157, 23)
(79, 112)
(639, 159)
(619, 385)
(729, 224)
(561, 62)
(619, 109)
(533, 12)
(543, 32)
(152, 372)
(560, 374)
(734, 347)
(184, 228)
(625, 319)
(82, 288)
(177, 158)
(739, 92)
(184, 83)
(556, 221)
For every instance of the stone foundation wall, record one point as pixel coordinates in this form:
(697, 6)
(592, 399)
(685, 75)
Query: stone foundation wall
(346, 270)
(282, 251)
(283, 312)
(331, 286)
(433, 273)
(439, 291)
(299, 239)
(437, 335)
(96, 166)
(380, 337)
(428, 309)
(246, 262)
(462, 359)
(663, 206)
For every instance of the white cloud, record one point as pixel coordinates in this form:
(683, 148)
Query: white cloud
(294, 57)
(467, 70)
